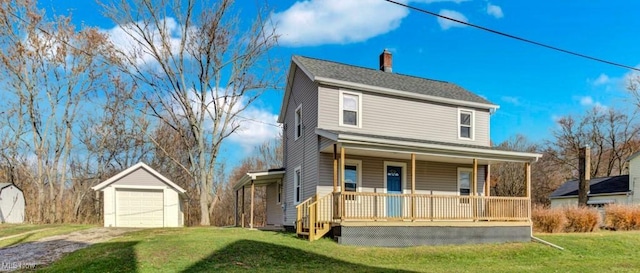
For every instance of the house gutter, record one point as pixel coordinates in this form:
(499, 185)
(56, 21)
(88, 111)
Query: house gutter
(516, 156)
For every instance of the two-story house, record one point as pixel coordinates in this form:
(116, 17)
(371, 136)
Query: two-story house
(374, 157)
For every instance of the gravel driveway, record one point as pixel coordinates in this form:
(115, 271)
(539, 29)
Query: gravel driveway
(47, 250)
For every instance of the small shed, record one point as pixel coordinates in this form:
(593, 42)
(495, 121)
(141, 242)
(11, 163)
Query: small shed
(11, 204)
(141, 197)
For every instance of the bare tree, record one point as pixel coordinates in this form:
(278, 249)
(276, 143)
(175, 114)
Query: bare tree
(49, 68)
(194, 64)
(111, 142)
(612, 136)
(507, 177)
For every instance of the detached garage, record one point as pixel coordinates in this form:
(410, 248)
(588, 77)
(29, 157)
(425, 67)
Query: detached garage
(141, 197)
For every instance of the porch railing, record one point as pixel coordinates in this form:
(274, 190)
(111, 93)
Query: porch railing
(302, 215)
(383, 206)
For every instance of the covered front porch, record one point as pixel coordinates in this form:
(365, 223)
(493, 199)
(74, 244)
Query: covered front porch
(434, 189)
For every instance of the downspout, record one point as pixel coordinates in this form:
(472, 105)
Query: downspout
(538, 240)
(630, 193)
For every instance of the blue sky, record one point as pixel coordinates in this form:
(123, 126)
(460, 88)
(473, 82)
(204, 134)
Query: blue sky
(532, 85)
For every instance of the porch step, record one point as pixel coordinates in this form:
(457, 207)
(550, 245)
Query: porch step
(303, 234)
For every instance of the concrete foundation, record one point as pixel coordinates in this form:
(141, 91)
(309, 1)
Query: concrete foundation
(403, 236)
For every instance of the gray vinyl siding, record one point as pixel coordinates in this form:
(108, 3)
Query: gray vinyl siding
(419, 119)
(303, 151)
(324, 143)
(430, 176)
(274, 209)
(139, 177)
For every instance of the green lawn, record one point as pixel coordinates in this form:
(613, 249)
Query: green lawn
(233, 249)
(28, 233)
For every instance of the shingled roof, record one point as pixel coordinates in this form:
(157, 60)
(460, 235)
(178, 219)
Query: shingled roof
(373, 77)
(601, 185)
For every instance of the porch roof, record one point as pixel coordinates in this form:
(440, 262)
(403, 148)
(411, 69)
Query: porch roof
(260, 178)
(424, 147)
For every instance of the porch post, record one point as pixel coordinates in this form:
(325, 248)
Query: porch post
(527, 177)
(487, 181)
(342, 183)
(474, 178)
(243, 197)
(413, 185)
(235, 207)
(253, 190)
(474, 191)
(341, 169)
(335, 168)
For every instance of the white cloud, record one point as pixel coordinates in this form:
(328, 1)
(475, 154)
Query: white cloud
(126, 37)
(447, 24)
(319, 22)
(494, 10)
(602, 79)
(256, 127)
(586, 101)
(511, 100)
(590, 102)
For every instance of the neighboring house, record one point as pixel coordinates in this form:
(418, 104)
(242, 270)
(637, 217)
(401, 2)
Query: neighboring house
(619, 189)
(11, 204)
(378, 158)
(141, 197)
(602, 191)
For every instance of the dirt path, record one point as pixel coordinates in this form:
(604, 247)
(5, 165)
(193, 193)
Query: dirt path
(47, 250)
(24, 233)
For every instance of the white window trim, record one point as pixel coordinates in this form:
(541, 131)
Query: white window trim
(341, 114)
(403, 177)
(297, 120)
(461, 169)
(473, 123)
(358, 164)
(299, 168)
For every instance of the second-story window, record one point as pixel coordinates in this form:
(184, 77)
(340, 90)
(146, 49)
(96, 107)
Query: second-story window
(350, 109)
(298, 121)
(465, 130)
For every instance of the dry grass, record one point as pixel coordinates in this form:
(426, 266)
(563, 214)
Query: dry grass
(621, 217)
(569, 219)
(548, 220)
(580, 219)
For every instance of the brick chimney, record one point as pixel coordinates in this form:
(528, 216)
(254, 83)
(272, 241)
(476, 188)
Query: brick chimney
(584, 173)
(386, 61)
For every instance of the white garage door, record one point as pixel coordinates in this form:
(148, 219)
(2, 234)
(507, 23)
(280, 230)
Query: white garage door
(139, 208)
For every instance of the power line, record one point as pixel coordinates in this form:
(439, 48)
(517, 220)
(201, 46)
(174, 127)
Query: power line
(258, 121)
(516, 37)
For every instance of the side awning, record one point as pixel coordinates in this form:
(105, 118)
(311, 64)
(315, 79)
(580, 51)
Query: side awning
(260, 178)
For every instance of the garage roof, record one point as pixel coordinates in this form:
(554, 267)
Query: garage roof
(132, 169)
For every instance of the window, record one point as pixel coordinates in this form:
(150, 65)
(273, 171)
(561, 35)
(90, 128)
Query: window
(464, 183)
(352, 174)
(297, 185)
(350, 109)
(279, 193)
(465, 130)
(350, 178)
(298, 121)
